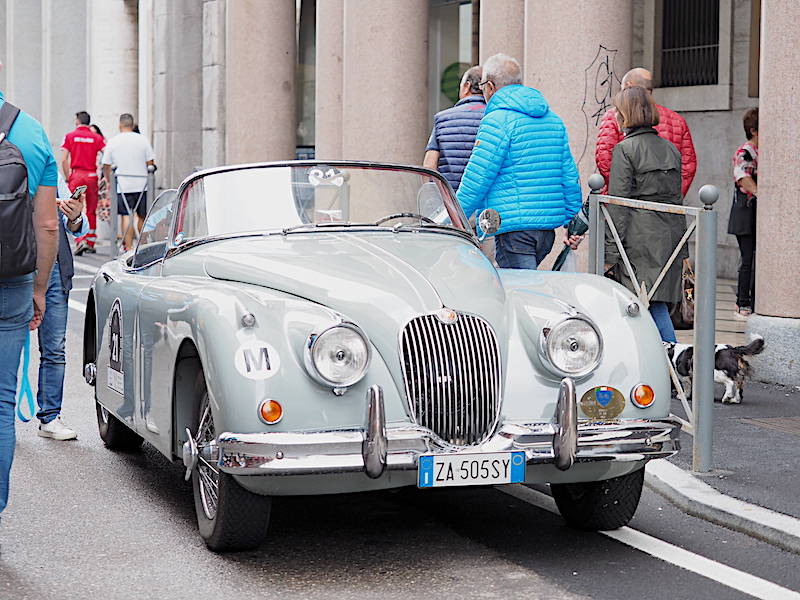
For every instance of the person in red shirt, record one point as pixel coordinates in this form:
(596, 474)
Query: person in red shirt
(79, 163)
(671, 127)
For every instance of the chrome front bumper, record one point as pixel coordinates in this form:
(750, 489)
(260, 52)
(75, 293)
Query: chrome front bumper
(378, 447)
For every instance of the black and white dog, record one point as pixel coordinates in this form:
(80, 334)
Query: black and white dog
(730, 366)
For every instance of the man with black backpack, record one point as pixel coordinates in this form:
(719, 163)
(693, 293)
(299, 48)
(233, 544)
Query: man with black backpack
(28, 243)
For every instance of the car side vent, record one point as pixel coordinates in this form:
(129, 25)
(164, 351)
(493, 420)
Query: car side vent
(452, 376)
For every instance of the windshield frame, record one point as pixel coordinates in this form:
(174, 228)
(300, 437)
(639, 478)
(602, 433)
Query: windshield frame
(174, 243)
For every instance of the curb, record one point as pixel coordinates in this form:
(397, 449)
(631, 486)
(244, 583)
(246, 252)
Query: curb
(699, 499)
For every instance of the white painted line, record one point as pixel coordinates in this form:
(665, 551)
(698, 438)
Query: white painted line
(85, 268)
(728, 576)
(701, 500)
(80, 289)
(79, 306)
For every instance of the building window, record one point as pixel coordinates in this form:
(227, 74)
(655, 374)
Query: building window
(690, 43)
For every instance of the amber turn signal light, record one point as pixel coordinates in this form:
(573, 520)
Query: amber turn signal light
(270, 412)
(643, 396)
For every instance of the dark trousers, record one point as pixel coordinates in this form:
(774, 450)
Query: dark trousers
(523, 249)
(745, 291)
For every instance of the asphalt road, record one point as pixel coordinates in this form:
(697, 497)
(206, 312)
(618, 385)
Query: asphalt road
(85, 522)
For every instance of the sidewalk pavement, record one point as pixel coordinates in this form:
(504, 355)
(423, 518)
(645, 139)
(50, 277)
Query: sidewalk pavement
(756, 452)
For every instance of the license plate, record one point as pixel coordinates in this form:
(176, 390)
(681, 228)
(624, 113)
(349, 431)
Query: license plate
(442, 470)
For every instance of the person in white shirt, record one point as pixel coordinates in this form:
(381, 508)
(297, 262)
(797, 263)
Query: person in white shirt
(130, 154)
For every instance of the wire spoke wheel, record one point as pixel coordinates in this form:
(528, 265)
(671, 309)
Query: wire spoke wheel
(208, 475)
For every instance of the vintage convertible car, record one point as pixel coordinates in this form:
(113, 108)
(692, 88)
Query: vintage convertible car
(318, 328)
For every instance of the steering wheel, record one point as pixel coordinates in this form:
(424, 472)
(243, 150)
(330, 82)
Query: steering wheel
(383, 220)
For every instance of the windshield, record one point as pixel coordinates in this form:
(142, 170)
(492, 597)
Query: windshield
(302, 197)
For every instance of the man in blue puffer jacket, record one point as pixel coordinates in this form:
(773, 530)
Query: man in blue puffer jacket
(522, 167)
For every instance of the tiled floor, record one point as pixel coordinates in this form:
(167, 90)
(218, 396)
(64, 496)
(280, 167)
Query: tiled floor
(729, 329)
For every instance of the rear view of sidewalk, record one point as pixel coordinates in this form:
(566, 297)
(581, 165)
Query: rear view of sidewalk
(756, 455)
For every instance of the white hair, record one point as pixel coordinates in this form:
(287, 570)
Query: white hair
(502, 70)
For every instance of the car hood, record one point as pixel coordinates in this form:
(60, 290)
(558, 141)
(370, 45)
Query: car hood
(368, 277)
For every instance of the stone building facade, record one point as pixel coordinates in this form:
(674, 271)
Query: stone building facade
(223, 81)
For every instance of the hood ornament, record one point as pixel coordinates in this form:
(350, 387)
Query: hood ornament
(447, 315)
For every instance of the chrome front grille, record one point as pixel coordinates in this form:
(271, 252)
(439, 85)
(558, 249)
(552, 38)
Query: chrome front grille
(452, 376)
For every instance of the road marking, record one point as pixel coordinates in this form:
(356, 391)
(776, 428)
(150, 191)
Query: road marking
(728, 576)
(85, 268)
(79, 306)
(80, 289)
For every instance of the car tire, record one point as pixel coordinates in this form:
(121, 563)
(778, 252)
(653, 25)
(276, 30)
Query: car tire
(238, 519)
(599, 505)
(114, 433)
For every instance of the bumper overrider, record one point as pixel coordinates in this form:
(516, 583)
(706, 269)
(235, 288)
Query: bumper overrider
(378, 447)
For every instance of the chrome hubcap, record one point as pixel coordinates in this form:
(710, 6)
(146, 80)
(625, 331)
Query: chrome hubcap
(207, 472)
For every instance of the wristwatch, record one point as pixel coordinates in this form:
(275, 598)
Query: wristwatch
(76, 220)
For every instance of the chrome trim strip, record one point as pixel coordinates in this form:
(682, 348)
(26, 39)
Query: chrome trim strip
(322, 452)
(373, 449)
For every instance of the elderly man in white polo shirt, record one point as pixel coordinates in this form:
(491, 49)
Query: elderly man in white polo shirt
(130, 153)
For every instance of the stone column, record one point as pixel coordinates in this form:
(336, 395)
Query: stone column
(502, 28)
(3, 47)
(385, 80)
(260, 59)
(63, 77)
(113, 62)
(146, 74)
(328, 95)
(23, 55)
(778, 256)
(213, 83)
(578, 78)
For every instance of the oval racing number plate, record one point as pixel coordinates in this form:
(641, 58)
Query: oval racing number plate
(441, 470)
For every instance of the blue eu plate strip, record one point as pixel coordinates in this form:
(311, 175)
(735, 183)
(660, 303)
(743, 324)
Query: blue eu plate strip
(517, 467)
(425, 471)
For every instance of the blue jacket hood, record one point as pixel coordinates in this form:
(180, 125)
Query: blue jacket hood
(519, 98)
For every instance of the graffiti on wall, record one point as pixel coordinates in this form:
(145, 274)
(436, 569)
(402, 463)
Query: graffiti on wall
(601, 82)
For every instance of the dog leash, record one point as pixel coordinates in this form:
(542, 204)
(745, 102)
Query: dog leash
(25, 383)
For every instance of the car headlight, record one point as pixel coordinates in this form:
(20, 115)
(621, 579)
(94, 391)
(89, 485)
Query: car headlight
(338, 356)
(572, 347)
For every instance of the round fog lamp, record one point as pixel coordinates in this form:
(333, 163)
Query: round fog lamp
(270, 412)
(643, 396)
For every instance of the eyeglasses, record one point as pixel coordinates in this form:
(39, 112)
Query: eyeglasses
(483, 83)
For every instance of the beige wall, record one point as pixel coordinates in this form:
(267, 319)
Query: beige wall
(385, 65)
(778, 252)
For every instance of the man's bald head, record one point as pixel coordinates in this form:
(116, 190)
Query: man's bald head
(638, 77)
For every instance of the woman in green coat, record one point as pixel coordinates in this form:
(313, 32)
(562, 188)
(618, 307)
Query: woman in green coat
(645, 166)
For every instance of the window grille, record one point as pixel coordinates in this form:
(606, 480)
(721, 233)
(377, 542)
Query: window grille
(690, 43)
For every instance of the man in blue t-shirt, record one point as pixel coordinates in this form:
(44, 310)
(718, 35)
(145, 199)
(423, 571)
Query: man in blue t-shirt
(23, 298)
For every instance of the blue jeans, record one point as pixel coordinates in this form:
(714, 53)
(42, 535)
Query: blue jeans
(523, 249)
(660, 313)
(16, 311)
(52, 339)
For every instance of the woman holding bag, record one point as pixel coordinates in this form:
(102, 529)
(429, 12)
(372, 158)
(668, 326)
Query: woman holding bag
(742, 222)
(645, 166)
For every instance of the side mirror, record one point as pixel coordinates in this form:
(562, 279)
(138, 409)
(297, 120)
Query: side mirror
(489, 222)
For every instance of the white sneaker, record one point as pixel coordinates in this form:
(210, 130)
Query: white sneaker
(56, 430)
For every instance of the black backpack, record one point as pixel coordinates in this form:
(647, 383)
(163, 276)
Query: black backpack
(17, 239)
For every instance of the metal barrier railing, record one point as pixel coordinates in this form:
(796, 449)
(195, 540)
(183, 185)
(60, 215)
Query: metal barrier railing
(146, 196)
(699, 421)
